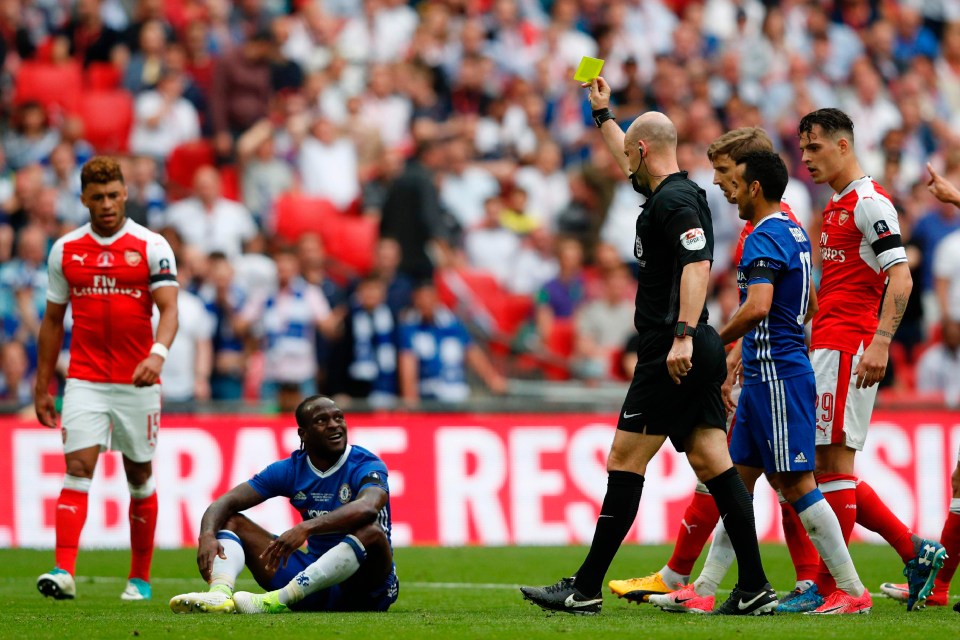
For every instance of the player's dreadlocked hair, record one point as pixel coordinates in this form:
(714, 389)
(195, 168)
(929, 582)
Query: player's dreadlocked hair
(833, 122)
(100, 170)
(739, 142)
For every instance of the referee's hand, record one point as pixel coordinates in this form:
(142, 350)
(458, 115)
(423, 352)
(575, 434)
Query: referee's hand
(680, 359)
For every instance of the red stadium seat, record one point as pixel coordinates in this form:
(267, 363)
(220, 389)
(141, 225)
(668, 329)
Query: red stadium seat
(107, 118)
(230, 182)
(351, 240)
(183, 163)
(296, 214)
(50, 84)
(101, 76)
(559, 343)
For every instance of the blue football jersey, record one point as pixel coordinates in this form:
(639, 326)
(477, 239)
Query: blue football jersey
(313, 492)
(777, 253)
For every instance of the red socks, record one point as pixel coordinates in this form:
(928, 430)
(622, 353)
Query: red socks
(873, 514)
(950, 539)
(71, 515)
(698, 522)
(804, 555)
(143, 524)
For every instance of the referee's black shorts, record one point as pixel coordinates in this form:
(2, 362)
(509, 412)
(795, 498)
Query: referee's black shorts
(657, 406)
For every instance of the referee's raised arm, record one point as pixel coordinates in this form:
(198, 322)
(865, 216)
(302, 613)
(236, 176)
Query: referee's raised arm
(603, 118)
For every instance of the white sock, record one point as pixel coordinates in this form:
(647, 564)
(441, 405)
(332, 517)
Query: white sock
(720, 558)
(803, 585)
(824, 530)
(333, 567)
(673, 579)
(225, 572)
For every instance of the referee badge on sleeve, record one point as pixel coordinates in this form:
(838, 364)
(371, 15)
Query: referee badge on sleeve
(638, 249)
(693, 240)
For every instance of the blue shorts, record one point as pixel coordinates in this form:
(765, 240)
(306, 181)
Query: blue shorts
(777, 425)
(338, 597)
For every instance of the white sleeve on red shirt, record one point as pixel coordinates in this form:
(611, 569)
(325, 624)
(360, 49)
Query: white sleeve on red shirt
(877, 220)
(58, 291)
(162, 264)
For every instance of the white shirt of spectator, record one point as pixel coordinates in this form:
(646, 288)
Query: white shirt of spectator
(493, 251)
(223, 228)
(938, 371)
(290, 358)
(946, 265)
(180, 124)
(179, 369)
(390, 116)
(463, 195)
(547, 195)
(330, 171)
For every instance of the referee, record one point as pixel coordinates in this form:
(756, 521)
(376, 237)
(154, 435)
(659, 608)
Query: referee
(675, 392)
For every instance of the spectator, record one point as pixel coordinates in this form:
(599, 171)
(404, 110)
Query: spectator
(534, 265)
(31, 139)
(144, 13)
(209, 221)
(85, 37)
(560, 297)
(465, 186)
(603, 327)
(411, 212)
(146, 199)
(435, 350)
(23, 286)
(938, 369)
(545, 184)
(490, 246)
(241, 89)
(224, 299)
(63, 173)
(146, 64)
(386, 264)
(368, 348)
(264, 176)
(284, 322)
(187, 369)
(15, 388)
(939, 220)
(328, 165)
(384, 110)
(163, 118)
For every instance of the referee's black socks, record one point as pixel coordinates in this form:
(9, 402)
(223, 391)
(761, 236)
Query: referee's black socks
(736, 510)
(619, 510)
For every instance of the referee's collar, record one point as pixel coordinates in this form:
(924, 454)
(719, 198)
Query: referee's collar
(679, 175)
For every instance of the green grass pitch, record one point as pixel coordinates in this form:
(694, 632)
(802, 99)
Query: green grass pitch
(436, 601)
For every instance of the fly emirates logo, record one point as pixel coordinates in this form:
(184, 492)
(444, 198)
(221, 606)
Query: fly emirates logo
(828, 254)
(106, 286)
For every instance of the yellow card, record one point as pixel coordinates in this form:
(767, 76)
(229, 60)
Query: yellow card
(589, 69)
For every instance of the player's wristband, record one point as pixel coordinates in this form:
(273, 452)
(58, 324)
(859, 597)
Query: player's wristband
(160, 350)
(602, 115)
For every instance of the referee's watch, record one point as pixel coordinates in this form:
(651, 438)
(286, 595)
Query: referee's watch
(602, 115)
(684, 330)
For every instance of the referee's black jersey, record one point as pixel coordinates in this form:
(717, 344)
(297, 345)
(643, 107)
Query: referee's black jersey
(673, 229)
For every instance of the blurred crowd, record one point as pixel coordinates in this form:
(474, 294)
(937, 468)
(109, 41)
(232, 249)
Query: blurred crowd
(486, 233)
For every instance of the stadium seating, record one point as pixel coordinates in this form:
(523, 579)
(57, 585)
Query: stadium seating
(296, 214)
(107, 118)
(102, 76)
(183, 163)
(54, 85)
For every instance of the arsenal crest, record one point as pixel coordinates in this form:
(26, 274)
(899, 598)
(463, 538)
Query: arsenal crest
(133, 258)
(844, 216)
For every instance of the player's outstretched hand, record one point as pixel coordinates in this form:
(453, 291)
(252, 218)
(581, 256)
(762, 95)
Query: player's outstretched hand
(280, 549)
(680, 359)
(46, 409)
(599, 93)
(209, 548)
(941, 188)
(872, 366)
(148, 371)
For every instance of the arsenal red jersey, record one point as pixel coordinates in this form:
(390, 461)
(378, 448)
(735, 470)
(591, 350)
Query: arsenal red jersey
(748, 229)
(108, 283)
(859, 241)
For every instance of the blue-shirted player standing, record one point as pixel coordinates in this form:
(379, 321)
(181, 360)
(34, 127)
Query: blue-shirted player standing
(776, 414)
(342, 495)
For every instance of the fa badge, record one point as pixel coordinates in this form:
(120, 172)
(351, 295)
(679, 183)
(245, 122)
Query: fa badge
(638, 248)
(344, 494)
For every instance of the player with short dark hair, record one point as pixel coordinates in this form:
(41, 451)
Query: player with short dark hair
(776, 421)
(864, 288)
(111, 272)
(341, 492)
(675, 392)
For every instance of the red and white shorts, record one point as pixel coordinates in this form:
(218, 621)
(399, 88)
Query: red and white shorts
(843, 411)
(120, 417)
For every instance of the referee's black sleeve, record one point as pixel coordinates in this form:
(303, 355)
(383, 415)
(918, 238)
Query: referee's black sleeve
(684, 230)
